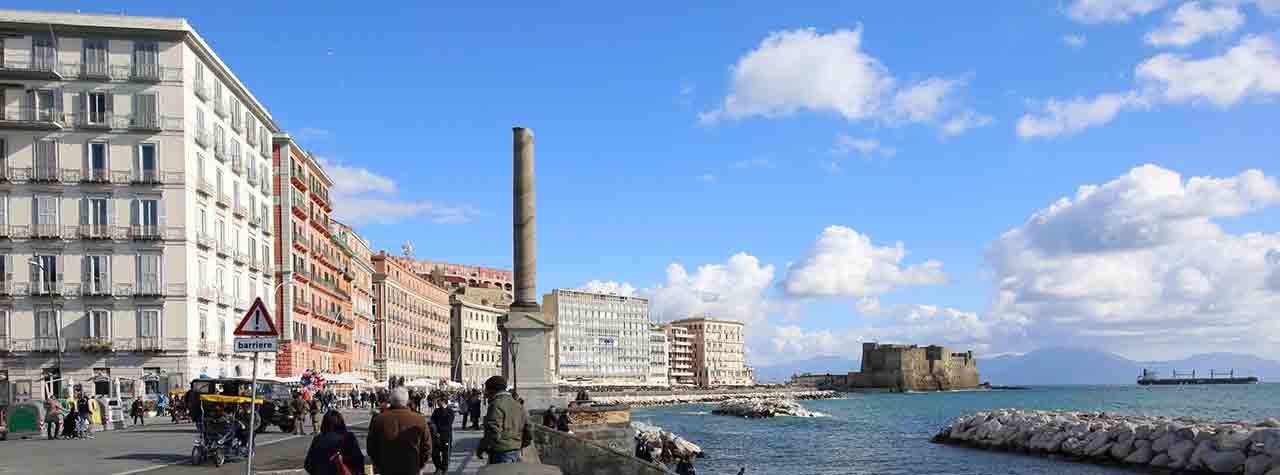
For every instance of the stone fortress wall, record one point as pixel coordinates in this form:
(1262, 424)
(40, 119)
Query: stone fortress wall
(914, 368)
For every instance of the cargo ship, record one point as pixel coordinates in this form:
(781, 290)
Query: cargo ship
(1152, 378)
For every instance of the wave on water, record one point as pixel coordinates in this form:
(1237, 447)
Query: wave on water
(694, 413)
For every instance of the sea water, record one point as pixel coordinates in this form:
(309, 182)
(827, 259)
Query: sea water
(889, 433)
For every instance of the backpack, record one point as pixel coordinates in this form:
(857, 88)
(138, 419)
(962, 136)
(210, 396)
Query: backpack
(340, 462)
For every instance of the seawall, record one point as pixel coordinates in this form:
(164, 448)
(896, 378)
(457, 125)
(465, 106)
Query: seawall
(1160, 443)
(650, 400)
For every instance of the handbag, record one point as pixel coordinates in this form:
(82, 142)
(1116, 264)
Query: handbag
(340, 462)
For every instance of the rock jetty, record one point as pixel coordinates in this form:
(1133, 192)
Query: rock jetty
(761, 408)
(1183, 444)
(662, 446)
(647, 400)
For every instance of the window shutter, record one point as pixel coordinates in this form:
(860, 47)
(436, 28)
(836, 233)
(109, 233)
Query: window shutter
(106, 272)
(57, 103)
(59, 268)
(84, 211)
(34, 273)
(134, 217)
(37, 206)
(111, 211)
(88, 318)
(83, 100)
(110, 107)
(160, 212)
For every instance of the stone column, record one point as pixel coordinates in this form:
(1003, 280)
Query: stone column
(523, 224)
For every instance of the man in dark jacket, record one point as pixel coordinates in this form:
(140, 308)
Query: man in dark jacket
(399, 440)
(473, 406)
(504, 425)
(442, 421)
(298, 408)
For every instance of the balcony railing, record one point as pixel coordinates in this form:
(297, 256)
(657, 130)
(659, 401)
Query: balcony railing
(205, 187)
(145, 232)
(268, 269)
(240, 210)
(34, 119)
(242, 304)
(255, 221)
(150, 73)
(224, 249)
(204, 239)
(255, 264)
(204, 137)
(148, 289)
(202, 90)
(47, 174)
(224, 200)
(45, 67)
(95, 175)
(206, 346)
(220, 150)
(46, 231)
(155, 177)
(153, 123)
(224, 298)
(95, 231)
(207, 293)
(240, 257)
(220, 108)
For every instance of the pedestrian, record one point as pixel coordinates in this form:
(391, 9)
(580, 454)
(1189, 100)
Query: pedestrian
(474, 407)
(299, 410)
(562, 422)
(162, 405)
(505, 426)
(465, 407)
(335, 450)
(85, 416)
(105, 413)
(194, 408)
(314, 409)
(442, 420)
(549, 417)
(399, 440)
(53, 418)
(135, 412)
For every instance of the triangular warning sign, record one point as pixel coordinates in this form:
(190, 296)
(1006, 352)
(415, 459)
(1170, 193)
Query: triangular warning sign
(257, 322)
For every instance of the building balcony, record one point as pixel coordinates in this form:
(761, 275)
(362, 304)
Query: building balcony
(148, 289)
(46, 231)
(28, 118)
(153, 123)
(224, 200)
(148, 73)
(207, 293)
(14, 231)
(239, 210)
(204, 187)
(47, 289)
(206, 347)
(255, 221)
(204, 137)
(95, 175)
(224, 249)
(240, 258)
(95, 231)
(224, 298)
(241, 303)
(220, 151)
(225, 350)
(237, 165)
(252, 179)
(203, 90)
(300, 243)
(255, 264)
(220, 107)
(45, 174)
(96, 289)
(41, 68)
(237, 123)
(146, 232)
(155, 177)
(268, 269)
(205, 240)
(301, 306)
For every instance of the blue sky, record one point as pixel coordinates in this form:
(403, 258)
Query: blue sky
(416, 103)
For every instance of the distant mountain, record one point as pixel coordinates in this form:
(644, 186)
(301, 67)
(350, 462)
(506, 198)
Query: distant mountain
(1083, 366)
(782, 372)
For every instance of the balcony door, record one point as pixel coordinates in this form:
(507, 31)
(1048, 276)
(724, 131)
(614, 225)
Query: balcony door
(45, 273)
(99, 321)
(148, 164)
(97, 275)
(149, 328)
(44, 54)
(149, 274)
(146, 60)
(97, 161)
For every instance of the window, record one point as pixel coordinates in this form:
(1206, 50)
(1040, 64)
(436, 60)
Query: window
(146, 114)
(46, 215)
(146, 60)
(200, 168)
(217, 93)
(4, 326)
(46, 160)
(96, 108)
(99, 323)
(149, 274)
(203, 221)
(219, 142)
(204, 326)
(148, 323)
(146, 216)
(222, 232)
(199, 75)
(200, 130)
(202, 267)
(46, 323)
(95, 58)
(148, 161)
(46, 105)
(95, 217)
(43, 54)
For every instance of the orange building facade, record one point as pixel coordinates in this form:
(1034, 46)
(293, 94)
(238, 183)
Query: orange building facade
(411, 323)
(359, 255)
(313, 308)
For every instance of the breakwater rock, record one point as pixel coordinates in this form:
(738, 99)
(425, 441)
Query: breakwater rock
(662, 446)
(761, 408)
(1178, 443)
(648, 400)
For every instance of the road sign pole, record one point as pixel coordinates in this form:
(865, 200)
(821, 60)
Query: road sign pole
(253, 413)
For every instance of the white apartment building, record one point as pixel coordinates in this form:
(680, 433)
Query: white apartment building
(600, 339)
(659, 357)
(134, 186)
(680, 356)
(477, 344)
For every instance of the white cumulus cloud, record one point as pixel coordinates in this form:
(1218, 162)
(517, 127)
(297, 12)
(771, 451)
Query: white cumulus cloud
(1249, 70)
(796, 70)
(1074, 41)
(844, 262)
(624, 289)
(733, 290)
(1193, 21)
(362, 196)
(846, 144)
(1139, 262)
(1117, 11)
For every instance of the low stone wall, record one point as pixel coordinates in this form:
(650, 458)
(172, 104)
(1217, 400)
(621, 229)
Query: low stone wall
(1181, 444)
(577, 456)
(646, 400)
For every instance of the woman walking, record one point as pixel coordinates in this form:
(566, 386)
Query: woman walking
(334, 451)
(135, 412)
(53, 418)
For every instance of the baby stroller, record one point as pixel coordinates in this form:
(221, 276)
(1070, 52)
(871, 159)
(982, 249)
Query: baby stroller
(221, 435)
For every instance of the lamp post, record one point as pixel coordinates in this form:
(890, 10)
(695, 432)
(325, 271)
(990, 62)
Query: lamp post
(57, 325)
(515, 357)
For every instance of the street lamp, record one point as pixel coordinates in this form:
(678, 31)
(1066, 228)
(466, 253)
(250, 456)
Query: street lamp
(515, 356)
(58, 325)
